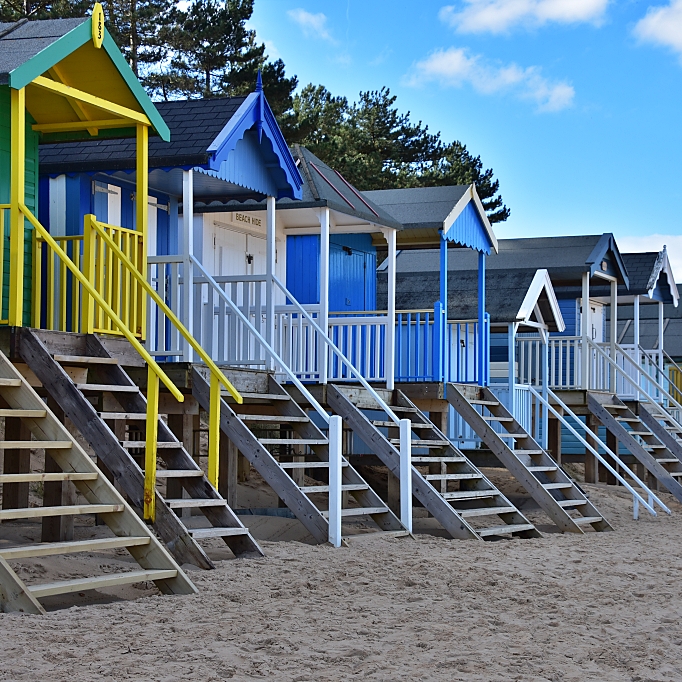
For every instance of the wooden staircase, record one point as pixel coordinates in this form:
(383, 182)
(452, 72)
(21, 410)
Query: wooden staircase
(105, 395)
(454, 491)
(273, 409)
(647, 440)
(547, 483)
(19, 400)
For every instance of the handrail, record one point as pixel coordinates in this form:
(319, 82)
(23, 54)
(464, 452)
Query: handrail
(636, 497)
(672, 362)
(266, 346)
(660, 370)
(334, 348)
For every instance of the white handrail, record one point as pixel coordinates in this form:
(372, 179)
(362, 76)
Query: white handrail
(337, 351)
(660, 370)
(266, 346)
(636, 497)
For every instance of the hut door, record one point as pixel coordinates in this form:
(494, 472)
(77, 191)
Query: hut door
(597, 322)
(229, 252)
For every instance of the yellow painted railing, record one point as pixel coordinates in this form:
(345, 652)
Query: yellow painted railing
(94, 306)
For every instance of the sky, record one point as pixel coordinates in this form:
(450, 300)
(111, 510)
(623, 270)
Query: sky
(575, 104)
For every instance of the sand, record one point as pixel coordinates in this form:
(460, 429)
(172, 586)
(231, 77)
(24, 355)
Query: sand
(563, 608)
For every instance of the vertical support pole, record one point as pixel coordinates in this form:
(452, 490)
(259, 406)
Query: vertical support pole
(511, 345)
(270, 255)
(613, 334)
(440, 321)
(545, 388)
(585, 329)
(88, 322)
(661, 328)
(481, 320)
(17, 197)
(187, 253)
(335, 478)
(151, 440)
(16, 461)
(142, 215)
(390, 322)
(325, 225)
(214, 431)
(406, 474)
(636, 328)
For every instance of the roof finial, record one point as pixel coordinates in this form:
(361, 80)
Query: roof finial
(259, 82)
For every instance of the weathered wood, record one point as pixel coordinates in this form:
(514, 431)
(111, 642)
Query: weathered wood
(14, 595)
(663, 435)
(590, 460)
(227, 479)
(16, 461)
(55, 548)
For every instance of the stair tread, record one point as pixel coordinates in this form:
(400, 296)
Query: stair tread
(108, 388)
(131, 416)
(390, 424)
(161, 445)
(31, 414)
(293, 441)
(307, 465)
(447, 460)
(469, 494)
(667, 460)
(35, 444)
(85, 360)
(423, 443)
(200, 533)
(359, 511)
(193, 502)
(493, 418)
(65, 510)
(43, 478)
(485, 511)
(529, 452)
(503, 530)
(9, 382)
(542, 468)
(258, 396)
(557, 486)
(277, 418)
(72, 547)
(325, 488)
(571, 503)
(582, 520)
(513, 435)
(109, 580)
(452, 477)
(485, 402)
(179, 473)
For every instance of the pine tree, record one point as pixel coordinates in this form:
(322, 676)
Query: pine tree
(13, 10)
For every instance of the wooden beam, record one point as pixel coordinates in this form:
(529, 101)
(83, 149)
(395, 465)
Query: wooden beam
(96, 125)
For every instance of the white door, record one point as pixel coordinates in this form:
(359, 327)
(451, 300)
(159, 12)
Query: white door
(597, 322)
(229, 252)
(255, 254)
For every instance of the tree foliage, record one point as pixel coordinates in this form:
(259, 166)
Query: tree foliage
(14, 10)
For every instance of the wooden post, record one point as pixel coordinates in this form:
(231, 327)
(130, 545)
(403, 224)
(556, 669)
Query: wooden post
(604, 474)
(188, 252)
(270, 255)
(511, 361)
(661, 329)
(15, 495)
(390, 322)
(16, 218)
(613, 333)
(585, 332)
(482, 379)
(554, 439)
(590, 459)
(323, 321)
(181, 426)
(227, 474)
(393, 499)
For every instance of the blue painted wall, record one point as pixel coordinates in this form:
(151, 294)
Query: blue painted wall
(569, 311)
(352, 271)
(469, 230)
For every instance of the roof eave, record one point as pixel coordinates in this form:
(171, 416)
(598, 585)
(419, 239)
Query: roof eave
(470, 195)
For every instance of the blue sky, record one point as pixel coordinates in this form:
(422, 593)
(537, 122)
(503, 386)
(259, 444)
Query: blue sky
(575, 104)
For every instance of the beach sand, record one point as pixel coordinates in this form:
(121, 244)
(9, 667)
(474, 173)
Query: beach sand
(565, 608)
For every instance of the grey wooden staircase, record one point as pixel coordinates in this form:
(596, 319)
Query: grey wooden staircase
(274, 410)
(102, 396)
(101, 498)
(649, 441)
(453, 490)
(547, 483)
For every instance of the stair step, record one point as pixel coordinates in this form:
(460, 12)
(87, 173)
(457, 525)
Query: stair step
(667, 460)
(423, 443)
(377, 534)
(632, 420)
(452, 477)
(179, 473)
(359, 511)
(161, 445)
(125, 416)
(519, 436)
(571, 503)
(556, 486)
(81, 584)
(469, 494)
(504, 530)
(529, 452)
(44, 478)
(29, 414)
(293, 441)
(393, 425)
(396, 408)
(35, 444)
(203, 533)
(676, 474)
(485, 511)
(584, 520)
(307, 465)
(269, 418)
(434, 460)
(325, 488)
(542, 468)
(69, 510)
(106, 388)
(257, 396)
(84, 360)
(193, 503)
(52, 548)
(655, 446)
(10, 382)
(493, 418)
(609, 406)
(485, 402)
(640, 433)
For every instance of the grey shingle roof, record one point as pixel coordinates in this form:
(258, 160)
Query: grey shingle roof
(21, 41)
(642, 270)
(419, 207)
(194, 124)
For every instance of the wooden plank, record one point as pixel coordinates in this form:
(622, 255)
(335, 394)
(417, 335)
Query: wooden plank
(664, 436)
(10, 382)
(33, 414)
(107, 388)
(84, 360)
(192, 503)
(44, 477)
(14, 595)
(35, 444)
(16, 461)
(100, 582)
(54, 548)
(39, 512)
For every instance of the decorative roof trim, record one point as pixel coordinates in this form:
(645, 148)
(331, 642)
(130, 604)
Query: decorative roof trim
(541, 282)
(255, 110)
(69, 43)
(607, 242)
(470, 195)
(662, 265)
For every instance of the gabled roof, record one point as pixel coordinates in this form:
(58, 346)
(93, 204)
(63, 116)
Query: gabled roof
(651, 275)
(29, 49)
(234, 139)
(511, 295)
(323, 187)
(426, 213)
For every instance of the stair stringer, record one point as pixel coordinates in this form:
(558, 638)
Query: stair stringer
(512, 462)
(422, 489)
(651, 422)
(643, 457)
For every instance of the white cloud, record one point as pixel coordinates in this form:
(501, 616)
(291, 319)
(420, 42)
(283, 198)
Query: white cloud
(498, 16)
(454, 67)
(655, 242)
(662, 25)
(312, 25)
